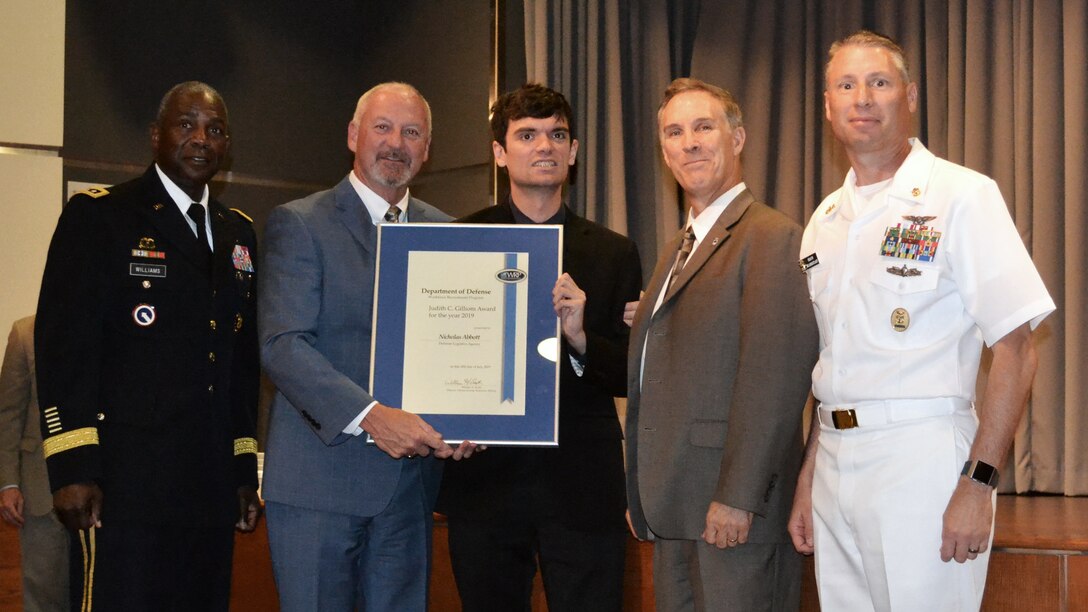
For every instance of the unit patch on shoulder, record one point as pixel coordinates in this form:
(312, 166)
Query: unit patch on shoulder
(95, 192)
(243, 215)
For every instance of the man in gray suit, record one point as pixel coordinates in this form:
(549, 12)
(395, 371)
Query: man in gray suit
(349, 522)
(720, 351)
(25, 500)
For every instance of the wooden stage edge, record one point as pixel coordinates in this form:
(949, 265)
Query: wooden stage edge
(1039, 563)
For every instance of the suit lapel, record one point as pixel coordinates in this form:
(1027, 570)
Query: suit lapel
(354, 215)
(416, 213)
(161, 211)
(645, 312)
(714, 239)
(574, 228)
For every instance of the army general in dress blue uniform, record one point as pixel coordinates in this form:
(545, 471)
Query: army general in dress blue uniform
(148, 374)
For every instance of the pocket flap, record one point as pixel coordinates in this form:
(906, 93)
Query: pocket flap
(710, 434)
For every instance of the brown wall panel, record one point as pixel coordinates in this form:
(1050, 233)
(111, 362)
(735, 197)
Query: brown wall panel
(1078, 584)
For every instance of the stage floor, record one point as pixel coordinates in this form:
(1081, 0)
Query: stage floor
(1040, 563)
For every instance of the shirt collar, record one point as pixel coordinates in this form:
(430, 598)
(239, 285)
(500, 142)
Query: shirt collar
(522, 219)
(908, 183)
(179, 197)
(375, 204)
(701, 224)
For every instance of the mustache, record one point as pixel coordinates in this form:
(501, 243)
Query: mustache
(395, 154)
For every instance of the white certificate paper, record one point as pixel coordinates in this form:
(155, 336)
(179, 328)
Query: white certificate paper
(465, 333)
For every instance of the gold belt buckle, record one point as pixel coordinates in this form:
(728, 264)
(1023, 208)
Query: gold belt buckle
(844, 419)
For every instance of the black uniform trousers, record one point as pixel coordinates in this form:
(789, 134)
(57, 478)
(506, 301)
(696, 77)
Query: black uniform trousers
(144, 567)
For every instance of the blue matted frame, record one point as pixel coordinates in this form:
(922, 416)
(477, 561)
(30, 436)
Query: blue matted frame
(539, 426)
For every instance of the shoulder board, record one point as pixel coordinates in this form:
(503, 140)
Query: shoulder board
(94, 192)
(243, 215)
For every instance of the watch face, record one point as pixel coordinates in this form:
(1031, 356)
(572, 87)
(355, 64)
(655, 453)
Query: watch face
(984, 472)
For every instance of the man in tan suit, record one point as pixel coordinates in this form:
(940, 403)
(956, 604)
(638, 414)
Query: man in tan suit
(720, 354)
(25, 501)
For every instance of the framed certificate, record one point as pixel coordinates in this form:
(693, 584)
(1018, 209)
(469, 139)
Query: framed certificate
(465, 334)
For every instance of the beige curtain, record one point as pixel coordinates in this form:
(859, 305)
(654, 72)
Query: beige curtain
(1004, 87)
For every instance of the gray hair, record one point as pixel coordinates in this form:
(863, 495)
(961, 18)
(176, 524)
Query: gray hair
(729, 104)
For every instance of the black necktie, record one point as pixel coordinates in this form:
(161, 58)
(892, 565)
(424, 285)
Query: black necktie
(196, 213)
(682, 254)
(392, 215)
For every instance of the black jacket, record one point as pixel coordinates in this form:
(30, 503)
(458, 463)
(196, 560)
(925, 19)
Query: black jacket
(580, 482)
(147, 355)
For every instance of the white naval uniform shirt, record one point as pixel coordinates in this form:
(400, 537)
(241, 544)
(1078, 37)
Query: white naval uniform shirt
(940, 247)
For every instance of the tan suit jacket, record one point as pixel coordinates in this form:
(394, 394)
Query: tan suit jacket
(716, 414)
(21, 460)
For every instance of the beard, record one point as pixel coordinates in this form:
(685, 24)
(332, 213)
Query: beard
(392, 168)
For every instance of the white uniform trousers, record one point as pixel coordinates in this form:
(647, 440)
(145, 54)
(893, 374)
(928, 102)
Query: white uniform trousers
(879, 494)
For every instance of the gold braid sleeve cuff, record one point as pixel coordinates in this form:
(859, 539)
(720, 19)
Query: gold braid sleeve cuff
(69, 440)
(245, 445)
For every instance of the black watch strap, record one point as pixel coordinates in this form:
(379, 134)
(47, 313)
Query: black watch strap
(980, 471)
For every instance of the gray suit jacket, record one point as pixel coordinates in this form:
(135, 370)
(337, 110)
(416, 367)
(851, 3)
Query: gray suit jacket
(716, 415)
(21, 460)
(315, 311)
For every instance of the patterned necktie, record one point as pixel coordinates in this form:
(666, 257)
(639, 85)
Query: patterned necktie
(682, 254)
(392, 215)
(196, 213)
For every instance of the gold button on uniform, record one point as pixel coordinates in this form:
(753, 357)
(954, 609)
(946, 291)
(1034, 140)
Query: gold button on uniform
(146, 284)
(100, 416)
(212, 324)
(211, 356)
(211, 388)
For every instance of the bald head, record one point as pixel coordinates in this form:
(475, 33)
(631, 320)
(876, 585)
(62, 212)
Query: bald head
(395, 88)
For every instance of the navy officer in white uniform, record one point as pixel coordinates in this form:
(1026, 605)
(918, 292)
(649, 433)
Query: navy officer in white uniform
(911, 266)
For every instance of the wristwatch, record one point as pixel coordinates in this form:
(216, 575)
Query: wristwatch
(980, 471)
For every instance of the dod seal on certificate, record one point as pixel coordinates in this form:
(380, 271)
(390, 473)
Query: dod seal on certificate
(465, 332)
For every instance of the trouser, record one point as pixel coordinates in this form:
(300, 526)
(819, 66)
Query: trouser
(44, 544)
(494, 564)
(879, 495)
(326, 561)
(131, 566)
(693, 576)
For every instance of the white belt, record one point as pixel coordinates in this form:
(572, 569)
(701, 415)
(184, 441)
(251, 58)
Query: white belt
(873, 414)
